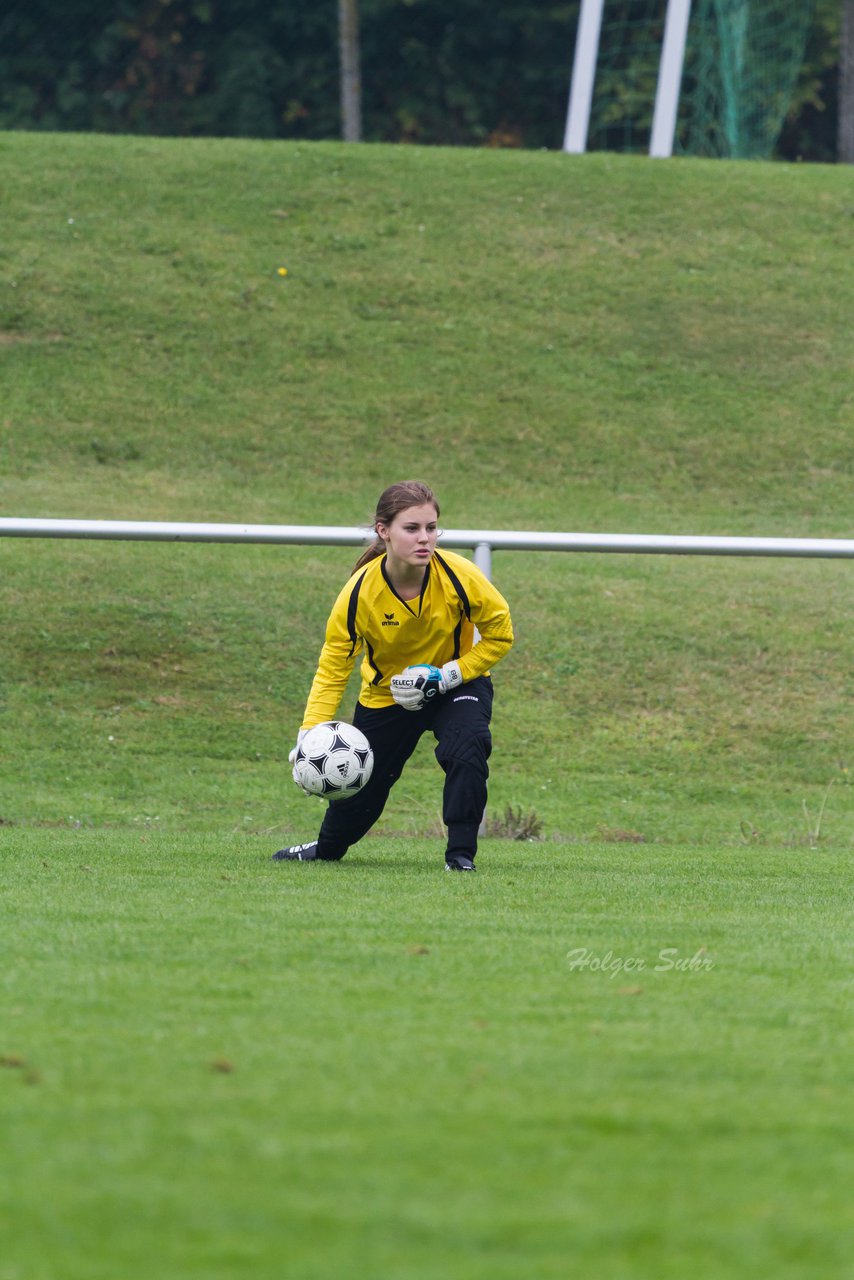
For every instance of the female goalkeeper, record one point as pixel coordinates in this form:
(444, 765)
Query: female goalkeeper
(408, 604)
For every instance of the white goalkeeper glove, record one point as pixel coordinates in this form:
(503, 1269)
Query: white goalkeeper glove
(418, 684)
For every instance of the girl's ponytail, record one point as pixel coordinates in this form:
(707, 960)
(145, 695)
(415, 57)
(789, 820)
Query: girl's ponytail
(377, 548)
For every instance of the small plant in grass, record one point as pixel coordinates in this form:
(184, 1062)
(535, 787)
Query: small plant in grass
(515, 824)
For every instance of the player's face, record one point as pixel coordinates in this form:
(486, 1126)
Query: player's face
(411, 536)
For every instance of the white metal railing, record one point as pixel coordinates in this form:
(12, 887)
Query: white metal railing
(482, 541)
(499, 539)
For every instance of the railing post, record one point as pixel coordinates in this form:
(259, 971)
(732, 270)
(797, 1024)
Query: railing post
(483, 558)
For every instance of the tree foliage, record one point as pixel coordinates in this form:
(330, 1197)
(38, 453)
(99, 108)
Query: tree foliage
(433, 71)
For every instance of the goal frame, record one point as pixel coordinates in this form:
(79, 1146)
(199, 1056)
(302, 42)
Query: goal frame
(667, 89)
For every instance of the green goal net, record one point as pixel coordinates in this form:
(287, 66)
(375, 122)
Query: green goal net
(742, 61)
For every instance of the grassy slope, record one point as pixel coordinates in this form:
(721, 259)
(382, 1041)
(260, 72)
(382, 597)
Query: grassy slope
(596, 342)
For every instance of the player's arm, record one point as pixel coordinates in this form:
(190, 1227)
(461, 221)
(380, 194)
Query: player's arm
(490, 613)
(333, 669)
(327, 690)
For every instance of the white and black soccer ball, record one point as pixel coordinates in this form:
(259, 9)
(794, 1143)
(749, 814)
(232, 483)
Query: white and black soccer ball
(334, 760)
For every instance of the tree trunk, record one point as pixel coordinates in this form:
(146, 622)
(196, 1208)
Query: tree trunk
(351, 76)
(845, 148)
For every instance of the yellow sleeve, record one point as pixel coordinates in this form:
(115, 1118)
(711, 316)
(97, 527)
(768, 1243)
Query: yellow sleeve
(490, 613)
(333, 668)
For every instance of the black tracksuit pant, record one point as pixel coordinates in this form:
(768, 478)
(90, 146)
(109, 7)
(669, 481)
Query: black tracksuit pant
(459, 722)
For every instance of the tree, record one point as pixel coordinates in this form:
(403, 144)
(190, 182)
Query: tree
(846, 85)
(351, 75)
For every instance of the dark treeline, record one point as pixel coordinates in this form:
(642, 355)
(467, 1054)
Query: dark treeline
(457, 72)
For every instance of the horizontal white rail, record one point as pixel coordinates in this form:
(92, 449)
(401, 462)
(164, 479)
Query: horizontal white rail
(482, 540)
(172, 531)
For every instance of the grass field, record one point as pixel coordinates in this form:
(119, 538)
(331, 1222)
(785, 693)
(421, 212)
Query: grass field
(598, 1063)
(622, 1050)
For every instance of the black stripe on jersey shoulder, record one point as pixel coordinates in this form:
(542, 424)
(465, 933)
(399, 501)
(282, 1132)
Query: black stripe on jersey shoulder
(457, 585)
(352, 606)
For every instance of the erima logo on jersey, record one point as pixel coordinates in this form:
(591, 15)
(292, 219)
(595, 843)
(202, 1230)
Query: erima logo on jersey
(388, 620)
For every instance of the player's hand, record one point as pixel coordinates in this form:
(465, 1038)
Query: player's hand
(292, 758)
(418, 684)
(415, 685)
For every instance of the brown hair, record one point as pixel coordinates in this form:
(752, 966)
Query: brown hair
(396, 498)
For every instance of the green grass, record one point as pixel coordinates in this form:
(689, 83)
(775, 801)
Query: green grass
(216, 1066)
(545, 313)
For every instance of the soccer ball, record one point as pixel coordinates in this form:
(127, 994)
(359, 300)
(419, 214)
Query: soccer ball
(334, 760)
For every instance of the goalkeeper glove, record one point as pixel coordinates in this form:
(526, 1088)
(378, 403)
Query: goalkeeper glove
(418, 684)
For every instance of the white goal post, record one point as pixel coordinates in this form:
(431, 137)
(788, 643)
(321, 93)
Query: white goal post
(583, 76)
(669, 77)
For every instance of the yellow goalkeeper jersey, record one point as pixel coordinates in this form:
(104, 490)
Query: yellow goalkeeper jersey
(370, 618)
